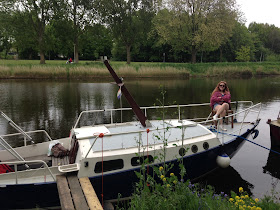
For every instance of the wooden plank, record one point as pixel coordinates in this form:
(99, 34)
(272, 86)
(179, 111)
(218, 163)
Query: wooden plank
(66, 160)
(54, 161)
(60, 161)
(64, 193)
(92, 199)
(77, 193)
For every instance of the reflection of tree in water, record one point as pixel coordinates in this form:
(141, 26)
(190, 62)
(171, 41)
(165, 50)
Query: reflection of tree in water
(226, 180)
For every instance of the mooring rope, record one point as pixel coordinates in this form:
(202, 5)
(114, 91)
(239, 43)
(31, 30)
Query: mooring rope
(249, 141)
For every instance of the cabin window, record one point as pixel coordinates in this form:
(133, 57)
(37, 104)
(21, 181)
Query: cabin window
(206, 145)
(136, 161)
(109, 165)
(194, 148)
(182, 151)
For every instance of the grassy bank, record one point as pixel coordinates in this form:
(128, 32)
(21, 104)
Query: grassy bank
(58, 69)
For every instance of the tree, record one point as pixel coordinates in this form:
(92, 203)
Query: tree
(268, 36)
(240, 37)
(81, 13)
(23, 35)
(195, 25)
(96, 41)
(243, 54)
(125, 19)
(39, 12)
(5, 33)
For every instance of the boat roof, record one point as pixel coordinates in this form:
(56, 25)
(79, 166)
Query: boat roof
(131, 134)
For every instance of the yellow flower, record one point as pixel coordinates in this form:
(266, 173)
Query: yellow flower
(258, 208)
(168, 185)
(175, 181)
(231, 199)
(161, 168)
(236, 203)
(171, 174)
(161, 176)
(254, 208)
(242, 197)
(257, 200)
(237, 197)
(240, 189)
(246, 196)
(164, 179)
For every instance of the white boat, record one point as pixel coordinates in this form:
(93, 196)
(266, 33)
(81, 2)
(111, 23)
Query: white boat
(114, 151)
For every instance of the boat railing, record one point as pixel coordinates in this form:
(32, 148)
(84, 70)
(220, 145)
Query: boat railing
(16, 163)
(253, 108)
(145, 109)
(28, 132)
(245, 113)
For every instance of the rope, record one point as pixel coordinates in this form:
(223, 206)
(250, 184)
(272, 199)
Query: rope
(250, 142)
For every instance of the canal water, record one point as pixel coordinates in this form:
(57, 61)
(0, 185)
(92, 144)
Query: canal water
(55, 106)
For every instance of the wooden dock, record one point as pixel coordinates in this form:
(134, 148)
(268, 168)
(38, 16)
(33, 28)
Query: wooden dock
(75, 193)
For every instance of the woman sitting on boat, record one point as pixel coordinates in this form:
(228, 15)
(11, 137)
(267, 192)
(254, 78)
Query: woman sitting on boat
(220, 100)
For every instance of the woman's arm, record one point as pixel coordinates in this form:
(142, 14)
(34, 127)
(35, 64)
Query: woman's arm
(226, 98)
(216, 98)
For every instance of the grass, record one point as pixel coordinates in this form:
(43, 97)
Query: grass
(58, 69)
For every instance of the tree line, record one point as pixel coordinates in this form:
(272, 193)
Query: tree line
(134, 30)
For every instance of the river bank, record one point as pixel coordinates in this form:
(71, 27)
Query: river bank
(58, 69)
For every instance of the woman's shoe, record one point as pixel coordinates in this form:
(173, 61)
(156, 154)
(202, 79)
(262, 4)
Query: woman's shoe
(222, 129)
(215, 117)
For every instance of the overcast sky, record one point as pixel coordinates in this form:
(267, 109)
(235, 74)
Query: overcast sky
(261, 11)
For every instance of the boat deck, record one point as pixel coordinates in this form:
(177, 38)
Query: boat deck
(129, 135)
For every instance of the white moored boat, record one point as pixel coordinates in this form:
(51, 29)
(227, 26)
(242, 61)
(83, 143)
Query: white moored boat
(113, 152)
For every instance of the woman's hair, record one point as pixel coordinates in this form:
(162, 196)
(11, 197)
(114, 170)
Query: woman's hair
(226, 90)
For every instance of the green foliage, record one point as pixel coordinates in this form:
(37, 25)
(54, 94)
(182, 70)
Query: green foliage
(96, 41)
(133, 30)
(195, 26)
(243, 54)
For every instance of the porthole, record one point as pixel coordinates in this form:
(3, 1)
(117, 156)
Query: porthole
(136, 161)
(182, 151)
(109, 165)
(206, 145)
(194, 148)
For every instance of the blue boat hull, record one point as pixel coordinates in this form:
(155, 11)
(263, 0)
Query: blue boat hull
(121, 183)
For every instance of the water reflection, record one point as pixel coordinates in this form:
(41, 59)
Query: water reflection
(226, 180)
(272, 165)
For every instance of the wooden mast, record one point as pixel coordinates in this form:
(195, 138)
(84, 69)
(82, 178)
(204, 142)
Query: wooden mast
(136, 109)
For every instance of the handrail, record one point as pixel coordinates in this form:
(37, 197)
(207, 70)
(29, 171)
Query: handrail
(15, 126)
(151, 107)
(16, 163)
(201, 122)
(246, 111)
(28, 132)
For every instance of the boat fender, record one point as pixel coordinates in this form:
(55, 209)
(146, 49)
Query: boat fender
(256, 133)
(223, 160)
